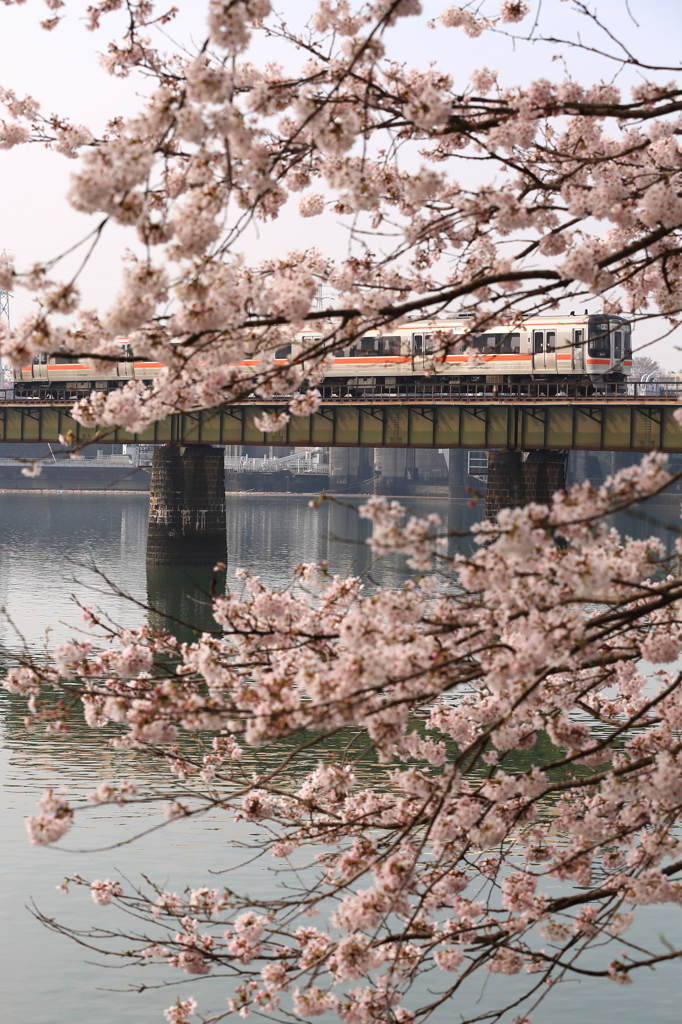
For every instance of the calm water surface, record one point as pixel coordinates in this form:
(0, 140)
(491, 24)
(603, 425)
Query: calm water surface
(48, 544)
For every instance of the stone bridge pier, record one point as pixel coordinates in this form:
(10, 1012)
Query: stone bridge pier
(518, 478)
(187, 523)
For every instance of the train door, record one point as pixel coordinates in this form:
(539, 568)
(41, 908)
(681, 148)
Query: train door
(422, 349)
(627, 344)
(618, 349)
(417, 349)
(538, 338)
(544, 351)
(40, 367)
(578, 351)
(126, 366)
(550, 351)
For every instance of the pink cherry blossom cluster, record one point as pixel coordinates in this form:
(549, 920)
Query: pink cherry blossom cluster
(54, 821)
(181, 1011)
(102, 891)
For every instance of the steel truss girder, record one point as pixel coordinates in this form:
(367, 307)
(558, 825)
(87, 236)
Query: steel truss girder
(633, 426)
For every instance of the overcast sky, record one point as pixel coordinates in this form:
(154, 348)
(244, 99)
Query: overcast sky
(61, 70)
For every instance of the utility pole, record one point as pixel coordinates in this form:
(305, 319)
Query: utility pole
(6, 380)
(322, 301)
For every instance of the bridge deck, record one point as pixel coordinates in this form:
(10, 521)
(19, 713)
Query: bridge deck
(623, 423)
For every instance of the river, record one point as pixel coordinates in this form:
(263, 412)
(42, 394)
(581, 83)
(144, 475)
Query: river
(49, 546)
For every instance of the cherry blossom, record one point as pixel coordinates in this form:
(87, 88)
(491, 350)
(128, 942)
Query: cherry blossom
(102, 891)
(54, 821)
(181, 1011)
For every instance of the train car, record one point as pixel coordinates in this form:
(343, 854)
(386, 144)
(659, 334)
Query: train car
(589, 349)
(60, 377)
(582, 349)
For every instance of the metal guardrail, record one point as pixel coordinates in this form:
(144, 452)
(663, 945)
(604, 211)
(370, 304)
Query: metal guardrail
(477, 464)
(459, 393)
(503, 393)
(309, 461)
(64, 460)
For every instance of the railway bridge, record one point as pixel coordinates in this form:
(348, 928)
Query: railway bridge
(528, 431)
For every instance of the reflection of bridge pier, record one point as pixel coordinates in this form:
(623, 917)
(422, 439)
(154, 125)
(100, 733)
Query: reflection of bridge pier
(180, 599)
(187, 507)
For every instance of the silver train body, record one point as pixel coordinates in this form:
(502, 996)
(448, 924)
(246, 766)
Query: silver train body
(582, 349)
(596, 348)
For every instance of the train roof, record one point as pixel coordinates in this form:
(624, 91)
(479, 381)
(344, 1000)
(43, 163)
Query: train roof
(461, 321)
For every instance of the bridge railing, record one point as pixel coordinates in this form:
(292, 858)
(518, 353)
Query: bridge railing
(459, 392)
(463, 391)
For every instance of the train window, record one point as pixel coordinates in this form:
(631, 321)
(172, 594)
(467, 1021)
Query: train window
(283, 352)
(338, 353)
(389, 344)
(40, 360)
(368, 344)
(618, 345)
(418, 343)
(538, 341)
(510, 343)
(599, 343)
(551, 341)
(627, 345)
(577, 338)
(429, 342)
(61, 360)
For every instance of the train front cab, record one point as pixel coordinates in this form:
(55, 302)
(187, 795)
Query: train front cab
(608, 357)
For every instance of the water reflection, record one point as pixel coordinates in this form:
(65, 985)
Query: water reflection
(659, 517)
(179, 599)
(347, 536)
(48, 540)
(45, 542)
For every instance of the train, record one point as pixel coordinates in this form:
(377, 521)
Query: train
(589, 349)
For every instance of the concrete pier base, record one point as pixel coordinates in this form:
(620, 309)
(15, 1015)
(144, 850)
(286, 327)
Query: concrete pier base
(458, 474)
(404, 470)
(517, 478)
(187, 507)
(350, 469)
